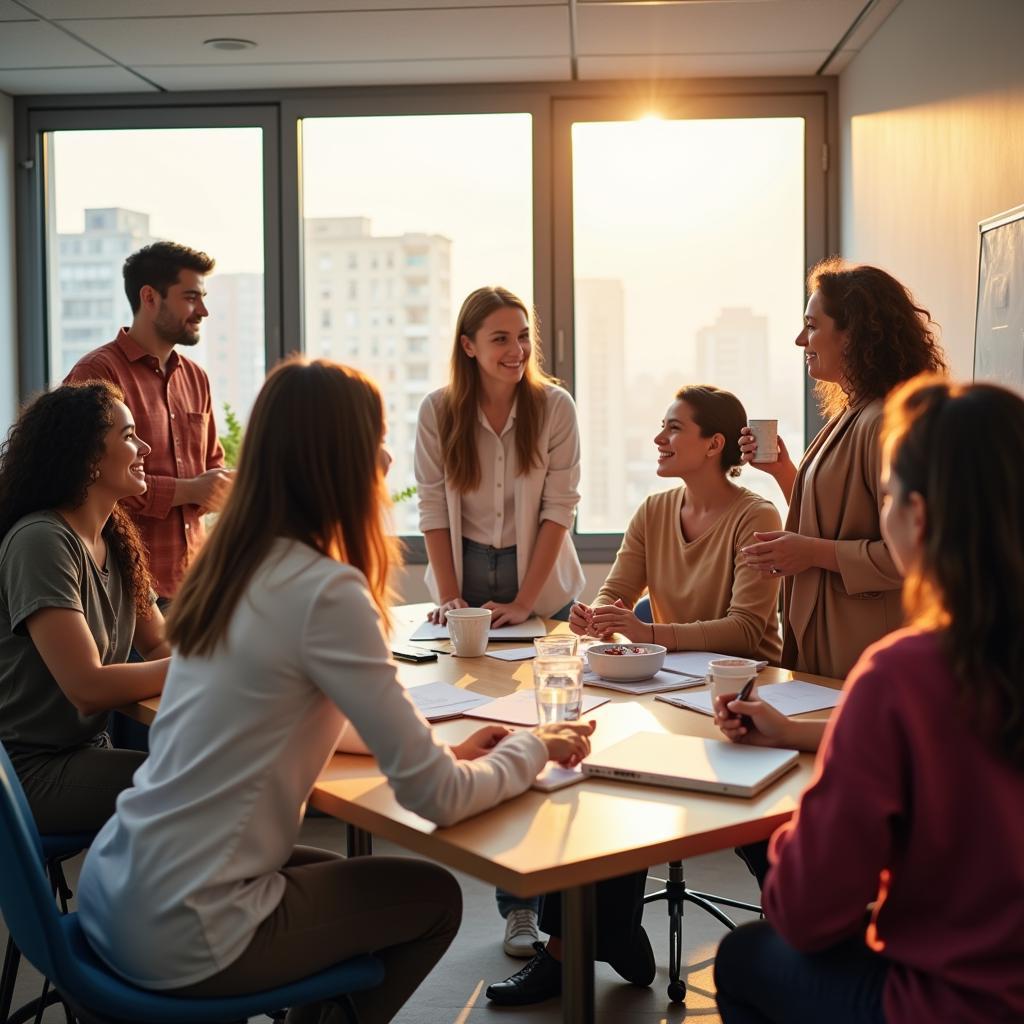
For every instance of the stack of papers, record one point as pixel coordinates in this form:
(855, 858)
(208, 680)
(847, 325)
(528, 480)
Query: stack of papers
(795, 697)
(696, 663)
(660, 682)
(438, 701)
(524, 631)
(520, 708)
(513, 654)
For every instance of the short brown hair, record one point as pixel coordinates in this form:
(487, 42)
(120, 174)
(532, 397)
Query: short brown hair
(717, 412)
(159, 266)
(890, 336)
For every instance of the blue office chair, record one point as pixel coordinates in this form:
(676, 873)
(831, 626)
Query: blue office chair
(56, 945)
(676, 894)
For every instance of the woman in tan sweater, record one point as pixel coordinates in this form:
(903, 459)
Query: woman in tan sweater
(683, 546)
(863, 334)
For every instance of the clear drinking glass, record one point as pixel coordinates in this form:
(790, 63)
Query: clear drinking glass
(555, 644)
(559, 688)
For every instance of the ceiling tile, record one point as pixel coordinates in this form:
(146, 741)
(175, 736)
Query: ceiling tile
(412, 72)
(701, 65)
(12, 12)
(385, 35)
(205, 8)
(709, 28)
(39, 81)
(34, 44)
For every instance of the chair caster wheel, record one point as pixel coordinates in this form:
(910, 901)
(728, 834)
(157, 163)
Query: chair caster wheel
(677, 992)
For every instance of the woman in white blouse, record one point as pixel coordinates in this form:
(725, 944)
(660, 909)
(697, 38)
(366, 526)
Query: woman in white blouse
(497, 474)
(280, 654)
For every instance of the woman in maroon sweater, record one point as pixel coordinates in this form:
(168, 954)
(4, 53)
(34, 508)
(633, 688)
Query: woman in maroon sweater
(896, 893)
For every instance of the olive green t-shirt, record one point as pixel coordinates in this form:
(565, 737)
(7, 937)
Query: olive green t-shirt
(44, 564)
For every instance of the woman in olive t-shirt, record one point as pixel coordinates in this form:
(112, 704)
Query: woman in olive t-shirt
(75, 596)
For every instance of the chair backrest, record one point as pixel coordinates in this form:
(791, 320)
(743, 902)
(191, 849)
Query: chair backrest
(25, 898)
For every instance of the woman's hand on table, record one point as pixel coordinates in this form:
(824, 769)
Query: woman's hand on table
(781, 553)
(761, 726)
(480, 742)
(510, 614)
(607, 619)
(439, 615)
(567, 742)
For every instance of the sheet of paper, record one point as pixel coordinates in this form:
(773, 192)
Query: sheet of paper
(660, 682)
(695, 663)
(524, 631)
(554, 776)
(437, 701)
(513, 654)
(796, 697)
(520, 708)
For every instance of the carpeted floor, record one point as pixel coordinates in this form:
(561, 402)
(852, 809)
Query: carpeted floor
(453, 994)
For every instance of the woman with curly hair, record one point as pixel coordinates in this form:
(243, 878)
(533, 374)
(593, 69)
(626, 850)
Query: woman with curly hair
(863, 335)
(75, 596)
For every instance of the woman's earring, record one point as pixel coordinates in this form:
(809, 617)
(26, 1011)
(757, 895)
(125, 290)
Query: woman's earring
(94, 475)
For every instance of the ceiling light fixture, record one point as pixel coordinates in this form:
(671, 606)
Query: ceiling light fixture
(229, 44)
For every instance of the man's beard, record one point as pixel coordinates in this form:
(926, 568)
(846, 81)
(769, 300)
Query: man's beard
(172, 332)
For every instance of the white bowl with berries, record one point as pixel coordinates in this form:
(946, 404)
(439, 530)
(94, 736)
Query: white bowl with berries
(626, 663)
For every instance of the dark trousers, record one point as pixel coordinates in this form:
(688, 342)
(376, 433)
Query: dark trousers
(618, 913)
(755, 856)
(762, 980)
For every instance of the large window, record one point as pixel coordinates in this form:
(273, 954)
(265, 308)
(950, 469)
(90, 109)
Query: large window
(688, 265)
(402, 218)
(114, 191)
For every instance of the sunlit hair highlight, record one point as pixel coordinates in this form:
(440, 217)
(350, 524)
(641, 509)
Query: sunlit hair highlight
(890, 335)
(716, 411)
(309, 470)
(959, 446)
(47, 464)
(458, 415)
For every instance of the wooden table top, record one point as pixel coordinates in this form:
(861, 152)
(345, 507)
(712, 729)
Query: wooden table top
(540, 842)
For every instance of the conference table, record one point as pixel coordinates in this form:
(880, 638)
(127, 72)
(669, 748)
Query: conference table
(566, 840)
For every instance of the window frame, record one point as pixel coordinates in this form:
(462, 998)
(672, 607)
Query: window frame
(280, 112)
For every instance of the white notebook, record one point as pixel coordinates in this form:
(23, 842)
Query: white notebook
(524, 631)
(689, 762)
(438, 701)
(520, 708)
(795, 697)
(696, 663)
(660, 682)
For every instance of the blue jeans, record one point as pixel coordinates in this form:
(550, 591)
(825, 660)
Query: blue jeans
(761, 979)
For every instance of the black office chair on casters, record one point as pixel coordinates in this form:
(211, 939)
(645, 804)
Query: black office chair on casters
(676, 894)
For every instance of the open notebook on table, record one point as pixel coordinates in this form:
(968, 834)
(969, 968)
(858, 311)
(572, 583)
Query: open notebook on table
(527, 630)
(795, 697)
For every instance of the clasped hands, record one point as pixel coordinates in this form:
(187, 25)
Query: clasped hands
(566, 742)
(607, 619)
(780, 553)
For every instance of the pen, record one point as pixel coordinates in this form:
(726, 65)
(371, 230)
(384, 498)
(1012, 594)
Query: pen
(744, 694)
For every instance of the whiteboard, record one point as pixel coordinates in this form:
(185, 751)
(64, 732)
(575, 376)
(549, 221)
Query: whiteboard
(999, 327)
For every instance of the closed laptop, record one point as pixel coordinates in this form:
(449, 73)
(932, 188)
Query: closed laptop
(689, 762)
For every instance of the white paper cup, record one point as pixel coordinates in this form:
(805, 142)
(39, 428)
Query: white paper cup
(468, 628)
(730, 675)
(556, 644)
(766, 433)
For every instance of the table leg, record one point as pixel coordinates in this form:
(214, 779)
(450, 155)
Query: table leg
(578, 955)
(359, 843)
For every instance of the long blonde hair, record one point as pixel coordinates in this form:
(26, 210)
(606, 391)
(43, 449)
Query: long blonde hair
(309, 470)
(459, 410)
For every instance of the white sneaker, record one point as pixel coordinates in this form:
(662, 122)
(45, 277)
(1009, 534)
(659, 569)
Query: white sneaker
(521, 933)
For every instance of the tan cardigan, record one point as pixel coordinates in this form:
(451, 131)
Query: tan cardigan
(831, 617)
(713, 603)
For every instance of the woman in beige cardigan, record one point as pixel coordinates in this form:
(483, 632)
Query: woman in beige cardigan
(863, 334)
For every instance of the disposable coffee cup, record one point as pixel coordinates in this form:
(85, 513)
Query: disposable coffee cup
(730, 675)
(468, 628)
(766, 433)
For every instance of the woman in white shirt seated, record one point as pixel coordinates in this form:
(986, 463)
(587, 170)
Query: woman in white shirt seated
(196, 886)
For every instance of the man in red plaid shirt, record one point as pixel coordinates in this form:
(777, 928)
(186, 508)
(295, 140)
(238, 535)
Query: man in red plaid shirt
(169, 396)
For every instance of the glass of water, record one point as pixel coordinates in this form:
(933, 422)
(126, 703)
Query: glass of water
(559, 688)
(556, 644)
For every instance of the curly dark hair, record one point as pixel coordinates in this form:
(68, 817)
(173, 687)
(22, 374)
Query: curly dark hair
(38, 475)
(890, 335)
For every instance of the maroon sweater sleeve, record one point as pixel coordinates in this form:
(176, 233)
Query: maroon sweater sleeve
(827, 860)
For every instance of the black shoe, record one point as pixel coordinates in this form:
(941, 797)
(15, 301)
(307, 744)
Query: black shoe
(635, 962)
(540, 979)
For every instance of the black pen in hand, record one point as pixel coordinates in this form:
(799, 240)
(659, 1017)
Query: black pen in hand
(744, 694)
